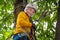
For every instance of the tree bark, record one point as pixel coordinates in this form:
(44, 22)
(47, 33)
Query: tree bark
(19, 5)
(57, 36)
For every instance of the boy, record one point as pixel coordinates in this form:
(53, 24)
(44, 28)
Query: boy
(23, 24)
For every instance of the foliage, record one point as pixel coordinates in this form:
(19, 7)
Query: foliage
(6, 18)
(45, 27)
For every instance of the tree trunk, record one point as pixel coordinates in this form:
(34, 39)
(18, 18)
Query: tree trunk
(57, 36)
(19, 5)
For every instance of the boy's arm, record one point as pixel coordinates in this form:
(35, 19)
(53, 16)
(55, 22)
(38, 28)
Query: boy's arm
(25, 23)
(21, 21)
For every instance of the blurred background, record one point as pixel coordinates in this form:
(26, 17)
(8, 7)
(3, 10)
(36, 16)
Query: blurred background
(46, 26)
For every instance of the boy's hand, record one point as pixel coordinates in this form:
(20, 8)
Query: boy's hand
(35, 22)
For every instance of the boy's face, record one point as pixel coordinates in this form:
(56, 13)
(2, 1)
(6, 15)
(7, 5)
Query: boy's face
(30, 11)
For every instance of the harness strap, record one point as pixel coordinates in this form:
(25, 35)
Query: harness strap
(22, 34)
(25, 33)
